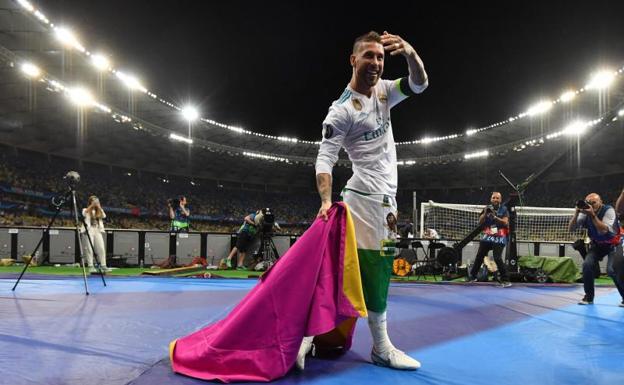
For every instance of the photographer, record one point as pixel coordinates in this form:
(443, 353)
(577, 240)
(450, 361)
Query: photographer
(93, 215)
(179, 215)
(603, 229)
(495, 221)
(260, 222)
(245, 236)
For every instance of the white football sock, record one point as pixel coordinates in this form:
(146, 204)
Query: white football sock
(379, 330)
(304, 349)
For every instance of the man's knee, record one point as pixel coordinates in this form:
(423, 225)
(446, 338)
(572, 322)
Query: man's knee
(611, 271)
(588, 264)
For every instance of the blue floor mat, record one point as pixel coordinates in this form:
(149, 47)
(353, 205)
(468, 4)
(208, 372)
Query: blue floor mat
(470, 334)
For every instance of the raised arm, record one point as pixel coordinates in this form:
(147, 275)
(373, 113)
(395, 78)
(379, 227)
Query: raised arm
(395, 45)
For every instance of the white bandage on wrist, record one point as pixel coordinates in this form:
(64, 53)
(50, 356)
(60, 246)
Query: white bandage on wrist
(418, 88)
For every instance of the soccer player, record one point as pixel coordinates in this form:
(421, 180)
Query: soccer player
(359, 121)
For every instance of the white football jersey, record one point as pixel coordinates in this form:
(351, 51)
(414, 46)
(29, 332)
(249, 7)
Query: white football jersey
(362, 126)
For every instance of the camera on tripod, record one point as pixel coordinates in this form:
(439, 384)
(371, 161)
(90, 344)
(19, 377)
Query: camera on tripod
(267, 253)
(582, 204)
(265, 220)
(72, 178)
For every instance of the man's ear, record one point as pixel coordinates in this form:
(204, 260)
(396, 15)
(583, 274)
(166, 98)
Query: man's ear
(352, 60)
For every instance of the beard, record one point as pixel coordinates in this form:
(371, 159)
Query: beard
(368, 78)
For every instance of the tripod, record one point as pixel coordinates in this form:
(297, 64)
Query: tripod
(267, 252)
(515, 197)
(58, 203)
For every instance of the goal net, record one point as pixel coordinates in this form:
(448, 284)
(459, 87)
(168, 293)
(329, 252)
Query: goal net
(533, 224)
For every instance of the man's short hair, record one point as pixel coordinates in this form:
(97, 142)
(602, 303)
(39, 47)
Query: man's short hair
(371, 36)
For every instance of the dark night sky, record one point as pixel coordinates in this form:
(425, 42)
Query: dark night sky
(276, 67)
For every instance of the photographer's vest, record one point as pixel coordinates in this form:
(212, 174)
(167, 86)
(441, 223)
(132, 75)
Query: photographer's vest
(247, 228)
(180, 221)
(609, 237)
(492, 231)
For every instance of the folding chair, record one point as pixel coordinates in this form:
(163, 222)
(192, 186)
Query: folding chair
(424, 265)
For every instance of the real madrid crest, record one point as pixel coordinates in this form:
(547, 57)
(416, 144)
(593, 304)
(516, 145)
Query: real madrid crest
(357, 104)
(383, 98)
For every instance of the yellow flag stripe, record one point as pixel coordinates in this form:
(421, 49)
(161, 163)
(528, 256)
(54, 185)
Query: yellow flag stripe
(352, 282)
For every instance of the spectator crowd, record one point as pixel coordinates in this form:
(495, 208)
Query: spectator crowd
(138, 200)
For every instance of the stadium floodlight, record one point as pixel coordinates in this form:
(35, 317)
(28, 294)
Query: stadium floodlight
(287, 139)
(478, 154)
(471, 131)
(180, 138)
(67, 37)
(567, 96)
(427, 140)
(266, 157)
(130, 81)
(539, 108)
(601, 80)
(80, 97)
(190, 113)
(27, 5)
(100, 62)
(103, 108)
(31, 70)
(621, 112)
(575, 128)
(236, 129)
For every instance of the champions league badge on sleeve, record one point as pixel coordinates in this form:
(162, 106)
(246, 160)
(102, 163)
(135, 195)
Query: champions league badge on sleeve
(328, 131)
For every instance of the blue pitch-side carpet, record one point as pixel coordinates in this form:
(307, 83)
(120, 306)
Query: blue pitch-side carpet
(51, 333)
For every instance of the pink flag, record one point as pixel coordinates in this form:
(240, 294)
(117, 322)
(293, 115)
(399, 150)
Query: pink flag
(313, 290)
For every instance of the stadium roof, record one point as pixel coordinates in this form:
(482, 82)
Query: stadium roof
(60, 98)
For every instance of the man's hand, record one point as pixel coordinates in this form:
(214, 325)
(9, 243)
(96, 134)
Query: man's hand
(589, 212)
(394, 45)
(322, 213)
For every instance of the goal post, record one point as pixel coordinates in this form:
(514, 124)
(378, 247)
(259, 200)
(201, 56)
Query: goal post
(533, 224)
